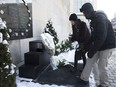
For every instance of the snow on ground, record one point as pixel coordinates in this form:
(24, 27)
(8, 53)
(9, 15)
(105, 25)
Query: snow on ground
(23, 82)
(68, 56)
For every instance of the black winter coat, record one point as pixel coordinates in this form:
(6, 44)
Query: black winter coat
(81, 34)
(102, 34)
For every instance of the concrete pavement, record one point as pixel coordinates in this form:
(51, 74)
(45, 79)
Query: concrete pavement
(112, 70)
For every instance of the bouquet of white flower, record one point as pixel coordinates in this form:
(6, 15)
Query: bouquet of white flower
(47, 40)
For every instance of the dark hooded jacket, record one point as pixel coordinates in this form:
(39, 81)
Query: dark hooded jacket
(81, 34)
(102, 34)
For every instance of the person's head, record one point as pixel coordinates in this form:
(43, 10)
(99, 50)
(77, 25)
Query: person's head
(87, 10)
(73, 18)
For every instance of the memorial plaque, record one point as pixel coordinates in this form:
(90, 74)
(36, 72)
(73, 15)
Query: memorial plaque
(17, 19)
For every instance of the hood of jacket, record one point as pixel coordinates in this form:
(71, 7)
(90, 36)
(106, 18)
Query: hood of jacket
(101, 13)
(87, 9)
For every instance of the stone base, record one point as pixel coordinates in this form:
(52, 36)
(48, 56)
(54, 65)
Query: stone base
(29, 71)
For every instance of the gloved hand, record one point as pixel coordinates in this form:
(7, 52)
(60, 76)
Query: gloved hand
(74, 45)
(89, 55)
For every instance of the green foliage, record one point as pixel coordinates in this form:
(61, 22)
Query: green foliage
(5, 35)
(50, 29)
(61, 63)
(64, 46)
(7, 78)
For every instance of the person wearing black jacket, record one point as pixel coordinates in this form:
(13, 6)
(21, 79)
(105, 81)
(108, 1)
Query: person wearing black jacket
(80, 33)
(102, 44)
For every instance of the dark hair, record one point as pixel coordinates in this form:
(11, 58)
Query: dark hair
(77, 23)
(73, 17)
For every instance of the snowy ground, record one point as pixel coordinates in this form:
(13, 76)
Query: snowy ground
(69, 56)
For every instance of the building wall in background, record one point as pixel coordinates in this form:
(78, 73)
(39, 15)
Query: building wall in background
(43, 10)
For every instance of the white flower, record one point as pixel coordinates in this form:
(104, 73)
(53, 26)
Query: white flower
(12, 65)
(5, 42)
(6, 67)
(8, 35)
(12, 72)
(2, 24)
(58, 50)
(12, 69)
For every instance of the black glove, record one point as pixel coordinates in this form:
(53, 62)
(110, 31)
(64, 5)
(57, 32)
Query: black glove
(90, 55)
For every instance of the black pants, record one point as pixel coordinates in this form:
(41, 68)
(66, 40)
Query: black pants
(79, 54)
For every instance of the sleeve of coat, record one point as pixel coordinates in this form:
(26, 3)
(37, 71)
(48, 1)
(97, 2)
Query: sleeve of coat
(83, 32)
(100, 33)
(75, 34)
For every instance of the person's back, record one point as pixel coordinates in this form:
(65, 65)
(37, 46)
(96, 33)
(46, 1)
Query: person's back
(84, 33)
(110, 38)
(102, 30)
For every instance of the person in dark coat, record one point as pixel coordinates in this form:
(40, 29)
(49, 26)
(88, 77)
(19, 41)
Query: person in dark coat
(80, 33)
(102, 44)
